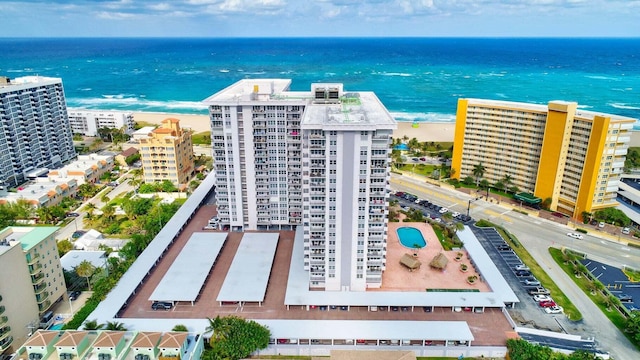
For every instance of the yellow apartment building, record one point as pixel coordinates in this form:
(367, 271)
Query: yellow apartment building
(167, 154)
(555, 151)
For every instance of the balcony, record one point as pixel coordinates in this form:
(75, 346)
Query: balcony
(33, 259)
(3, 320)
(37, 279)
(41, 298)
(35, 268)
(44, 306)
(4, 331)
(5, 343)
(39, 288)
(2, 309)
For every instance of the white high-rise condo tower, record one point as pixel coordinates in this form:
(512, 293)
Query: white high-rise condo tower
(34, 127)
(317, 158)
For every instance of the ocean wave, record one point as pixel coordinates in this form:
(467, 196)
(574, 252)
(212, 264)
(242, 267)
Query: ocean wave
(423, 117)
(623, 106)
(134, 103)
(85, 89)
(188, 72)
(601, 77)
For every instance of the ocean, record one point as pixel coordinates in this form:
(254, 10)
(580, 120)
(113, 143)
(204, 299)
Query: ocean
(418, 79)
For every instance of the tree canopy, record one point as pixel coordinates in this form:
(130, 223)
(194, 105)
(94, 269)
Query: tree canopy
(235, 338)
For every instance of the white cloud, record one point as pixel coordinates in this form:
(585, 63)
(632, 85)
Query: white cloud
(114, 15)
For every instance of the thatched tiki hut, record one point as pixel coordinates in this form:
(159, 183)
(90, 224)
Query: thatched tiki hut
(410, 262)
(439, 262)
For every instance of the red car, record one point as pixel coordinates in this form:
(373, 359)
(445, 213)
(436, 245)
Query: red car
(547, 303)
(399, 194)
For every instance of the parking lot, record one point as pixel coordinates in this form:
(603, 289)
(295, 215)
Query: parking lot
(429, 209)
(616, 282)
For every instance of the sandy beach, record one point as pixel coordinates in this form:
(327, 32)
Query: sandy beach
(438, 132)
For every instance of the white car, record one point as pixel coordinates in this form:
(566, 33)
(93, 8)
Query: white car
(601, 224)
(444, 210)
(575, 236)
(538, 298)
(418, 201)
(554, 310)
(455, 214)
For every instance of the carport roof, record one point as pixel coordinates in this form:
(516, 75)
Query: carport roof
(190, 269)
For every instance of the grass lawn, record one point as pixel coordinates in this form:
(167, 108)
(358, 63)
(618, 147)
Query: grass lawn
(558, 296)
(141, 124)
(202, 138)
(420, 169)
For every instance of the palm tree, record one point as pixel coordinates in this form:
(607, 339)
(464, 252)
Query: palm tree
(89, 208)
(115, 326)
(217, 328)
(86, 269)
(45, 214)
(478, 172)
(108, 211)
(92, 325)
(507, 180)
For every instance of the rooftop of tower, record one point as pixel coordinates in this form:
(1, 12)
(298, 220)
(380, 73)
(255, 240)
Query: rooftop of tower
(325, 104)
(7, 84)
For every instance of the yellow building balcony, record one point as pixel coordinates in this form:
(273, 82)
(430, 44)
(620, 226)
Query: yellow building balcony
(3, 320)
(2, 309)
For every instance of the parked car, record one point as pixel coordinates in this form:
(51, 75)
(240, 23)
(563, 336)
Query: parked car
(601, 224)
(575, 235)
(624, 297)
(72, 214)
(554, 309)
(538, 290)
(423, 159)
(74, 295)
(77, 234)
(443, 210)
(521, 267)
(548, 303)
(626, 230)
(161, 305)
(455, 214)
(539, 298)
(532, 282)
(523, 273)
(399, 194)
(415, 159)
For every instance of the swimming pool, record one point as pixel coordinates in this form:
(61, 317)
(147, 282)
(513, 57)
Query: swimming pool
(56, 326)
(411, 237)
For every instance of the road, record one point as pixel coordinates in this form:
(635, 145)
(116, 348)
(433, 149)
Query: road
(537, 235)
(77, 223)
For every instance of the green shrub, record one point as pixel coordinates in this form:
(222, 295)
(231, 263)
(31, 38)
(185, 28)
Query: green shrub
(581, 230)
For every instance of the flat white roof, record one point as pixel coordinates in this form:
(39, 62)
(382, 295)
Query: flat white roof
(251, 267)
(190, 269)
(74, 257)
(298, 292)
(369, 329)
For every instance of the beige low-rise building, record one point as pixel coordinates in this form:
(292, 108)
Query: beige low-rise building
(30, 255)
(167, 154)
(86, 169)
(42, 192)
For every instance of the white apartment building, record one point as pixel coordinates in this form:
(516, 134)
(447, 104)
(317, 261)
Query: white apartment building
(85, 169)
(317, 158)
(34, 127)
(87, 122)
(33, 280)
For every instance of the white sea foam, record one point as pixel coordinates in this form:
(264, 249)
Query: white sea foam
(623, 106)
(134, 103)
(85, 89)
(600, 77)
(396, 74)
(423, 117)
(188, 72)
(224, 70)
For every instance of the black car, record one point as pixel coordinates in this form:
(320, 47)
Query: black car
(72, 214)
(77, 234)
(624, 298)
(161, 305)
(523, 273)
(74, 295)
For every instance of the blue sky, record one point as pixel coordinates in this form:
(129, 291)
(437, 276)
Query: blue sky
(291, 18)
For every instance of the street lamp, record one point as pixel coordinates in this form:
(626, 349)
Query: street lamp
(469, 205)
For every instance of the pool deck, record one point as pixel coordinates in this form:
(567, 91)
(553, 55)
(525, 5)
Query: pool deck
(396, 277)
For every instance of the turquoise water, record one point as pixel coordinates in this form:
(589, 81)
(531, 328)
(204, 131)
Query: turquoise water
(56, 326)
(411, 237)
(417, 79)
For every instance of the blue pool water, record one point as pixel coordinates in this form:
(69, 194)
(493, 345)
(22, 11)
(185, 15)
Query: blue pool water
(411, 237)
(56, 326)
